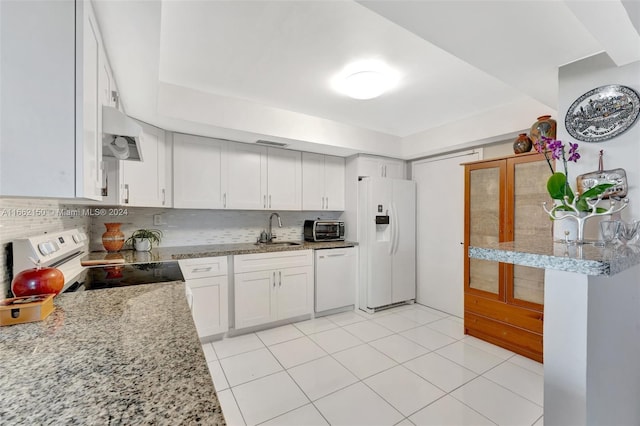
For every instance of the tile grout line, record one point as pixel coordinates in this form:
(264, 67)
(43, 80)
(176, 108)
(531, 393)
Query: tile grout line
(396, 363)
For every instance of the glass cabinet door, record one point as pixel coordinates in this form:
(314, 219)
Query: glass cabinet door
(483, 220)
(526, 192)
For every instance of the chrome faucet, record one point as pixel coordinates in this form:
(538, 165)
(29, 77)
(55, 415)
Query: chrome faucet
(270, 235)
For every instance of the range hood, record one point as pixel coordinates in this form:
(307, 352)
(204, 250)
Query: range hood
(121, 135)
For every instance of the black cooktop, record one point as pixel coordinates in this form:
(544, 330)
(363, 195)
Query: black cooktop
(126, 275)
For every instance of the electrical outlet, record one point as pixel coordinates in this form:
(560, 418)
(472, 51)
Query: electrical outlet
(157, 219)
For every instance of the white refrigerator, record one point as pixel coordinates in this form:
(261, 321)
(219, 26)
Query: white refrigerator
(387, 239)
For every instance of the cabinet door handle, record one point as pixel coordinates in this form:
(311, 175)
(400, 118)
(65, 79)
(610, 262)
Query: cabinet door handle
(164, 196)
(264, 202)
(207, 269)
(327, 206)
(224, 200)
(322, 208)
(126, 188)
(269, 200)
(274, 279)
(280, 280)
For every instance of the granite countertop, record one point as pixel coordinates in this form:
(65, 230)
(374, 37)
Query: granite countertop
(164, 254)
(585, 259)
(128, 355)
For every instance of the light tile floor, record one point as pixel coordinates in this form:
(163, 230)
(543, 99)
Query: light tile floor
(409, 365)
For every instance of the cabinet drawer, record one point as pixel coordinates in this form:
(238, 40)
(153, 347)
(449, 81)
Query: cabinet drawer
(513, 338)
(203, 267)
(500, 311)
(267, 261)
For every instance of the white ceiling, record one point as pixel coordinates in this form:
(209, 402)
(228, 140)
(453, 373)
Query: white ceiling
(458, 60)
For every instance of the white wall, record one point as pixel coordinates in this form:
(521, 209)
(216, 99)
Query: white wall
(622, 151)
(488, 127)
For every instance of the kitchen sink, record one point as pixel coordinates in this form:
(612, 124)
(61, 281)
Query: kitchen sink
(281, 243)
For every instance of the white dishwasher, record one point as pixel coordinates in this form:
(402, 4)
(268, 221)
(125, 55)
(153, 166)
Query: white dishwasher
(336, 275)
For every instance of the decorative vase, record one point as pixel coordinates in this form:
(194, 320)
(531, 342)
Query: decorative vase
(522, 144)
(113, 238)
(545, 126)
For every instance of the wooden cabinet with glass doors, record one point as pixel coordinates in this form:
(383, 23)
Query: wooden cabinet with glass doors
(503, 303)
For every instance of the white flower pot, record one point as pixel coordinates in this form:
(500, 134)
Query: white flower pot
(142, 244)
(561, 227)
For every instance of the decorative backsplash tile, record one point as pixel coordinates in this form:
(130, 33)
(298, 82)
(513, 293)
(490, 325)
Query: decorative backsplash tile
(24, 217)
(183, 227)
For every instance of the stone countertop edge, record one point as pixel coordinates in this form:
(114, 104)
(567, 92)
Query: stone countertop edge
(127, 355)
(586, 259)
(165, 254)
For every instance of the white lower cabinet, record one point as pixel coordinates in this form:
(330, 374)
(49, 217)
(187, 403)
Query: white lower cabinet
(206, 283)
(272, 286)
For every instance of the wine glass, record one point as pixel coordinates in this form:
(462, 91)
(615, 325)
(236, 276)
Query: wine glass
(628, 231)
(609, 230)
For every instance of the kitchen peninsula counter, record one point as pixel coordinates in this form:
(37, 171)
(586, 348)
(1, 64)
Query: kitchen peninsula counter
(591, 328)
(128, 355)
(585, 259)
(164, 254)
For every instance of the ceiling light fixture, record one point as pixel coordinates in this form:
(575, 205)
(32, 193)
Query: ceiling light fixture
(365, 80)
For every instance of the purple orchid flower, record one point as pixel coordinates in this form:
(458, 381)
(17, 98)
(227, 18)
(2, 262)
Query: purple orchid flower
(573, 152)
(557, 149)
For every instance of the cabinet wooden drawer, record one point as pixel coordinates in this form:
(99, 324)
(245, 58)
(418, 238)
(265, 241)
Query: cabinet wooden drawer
(203, 267)
(513, 338)
(275, 260)
(500, 311)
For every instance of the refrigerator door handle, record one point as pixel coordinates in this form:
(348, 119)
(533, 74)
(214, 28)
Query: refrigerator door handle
(393, 219)
(396, 228)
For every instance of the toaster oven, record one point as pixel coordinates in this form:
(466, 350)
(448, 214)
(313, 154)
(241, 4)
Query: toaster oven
(323, 230)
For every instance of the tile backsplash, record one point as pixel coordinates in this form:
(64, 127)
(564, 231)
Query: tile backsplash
(25, 217)
(183, 227)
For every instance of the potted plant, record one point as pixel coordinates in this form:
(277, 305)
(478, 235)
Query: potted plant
(143, 239)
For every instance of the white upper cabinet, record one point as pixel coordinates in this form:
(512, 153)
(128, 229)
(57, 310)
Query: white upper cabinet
(284, 179)
(380, 167)
(313, 182)
(322, 182)
(199, 181)
(246, 177)
(215, 174)
(144, 183)
(50, 124)
(262, 178)
(90, 125)
(334, 178)
(394, 169)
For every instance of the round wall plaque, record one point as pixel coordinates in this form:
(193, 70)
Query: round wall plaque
(602, 113)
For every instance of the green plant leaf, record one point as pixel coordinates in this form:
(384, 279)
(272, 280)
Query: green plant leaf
(596, 190)
(582, 205)
(558, 188)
